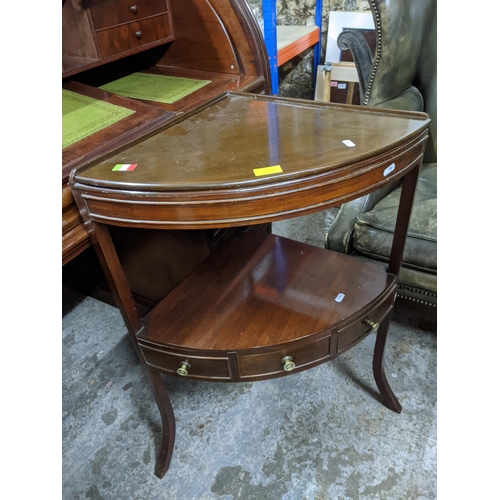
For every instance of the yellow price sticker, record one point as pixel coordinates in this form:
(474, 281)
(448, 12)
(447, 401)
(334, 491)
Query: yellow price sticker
(276, 169)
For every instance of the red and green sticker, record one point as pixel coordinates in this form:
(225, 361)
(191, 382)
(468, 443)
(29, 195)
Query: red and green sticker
(124, 167)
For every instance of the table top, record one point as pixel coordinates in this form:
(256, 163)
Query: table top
(241, 140)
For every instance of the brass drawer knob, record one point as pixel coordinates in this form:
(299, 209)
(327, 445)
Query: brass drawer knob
(183, 368)
(133, 8)
(374, 326)
(138, 34)
(288, 363)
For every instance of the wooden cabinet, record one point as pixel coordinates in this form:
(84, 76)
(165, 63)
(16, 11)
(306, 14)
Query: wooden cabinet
(130, 36)
(122, 26)
(99, 31)
(106, 14)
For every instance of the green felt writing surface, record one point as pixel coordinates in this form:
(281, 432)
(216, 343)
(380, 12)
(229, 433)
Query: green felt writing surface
(83, 116)
(159, 88)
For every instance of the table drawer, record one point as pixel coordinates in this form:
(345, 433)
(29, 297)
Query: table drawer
(127, 37)
(356, 331)
(200, 366)
(257, 365)
(112, 12)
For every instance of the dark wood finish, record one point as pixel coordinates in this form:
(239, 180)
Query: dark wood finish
(219, 36)
(168, 422)
(258, 300)
(234, 47)
(71, 215)
(74, 236)
(259, 322)
(128, 37)
(267, 365)
(108, 30)
(223, 187)
(100, 45)
(403, 220)
(79, 48)
(388, 397)
(223, 307)
(202, 367)
(357, 330)
(74, 242)
(106, 14)
(195, 41)
(110, 263)
(260, 129)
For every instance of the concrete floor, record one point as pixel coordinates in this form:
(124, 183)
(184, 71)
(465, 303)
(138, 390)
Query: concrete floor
(318, 434)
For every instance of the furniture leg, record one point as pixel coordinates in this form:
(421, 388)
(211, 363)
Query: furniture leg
(167, 419)
(408, 187)
(388, 397)
(118, 283)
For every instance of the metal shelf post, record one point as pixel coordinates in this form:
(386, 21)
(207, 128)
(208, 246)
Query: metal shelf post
(271, 40)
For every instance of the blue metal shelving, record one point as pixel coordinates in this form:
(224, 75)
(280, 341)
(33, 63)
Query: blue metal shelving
(271, 40)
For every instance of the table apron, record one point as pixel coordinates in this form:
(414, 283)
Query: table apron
(227, 208)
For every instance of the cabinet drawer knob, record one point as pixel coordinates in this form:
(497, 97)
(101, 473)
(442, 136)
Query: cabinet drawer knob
(138, 34)
(183, 368)
(374, 326)
(133, 8)
(288, 363)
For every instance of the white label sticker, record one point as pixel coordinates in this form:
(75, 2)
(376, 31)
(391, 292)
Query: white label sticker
(342, 86)
(389, 169)
(339, 297)
(349, 143)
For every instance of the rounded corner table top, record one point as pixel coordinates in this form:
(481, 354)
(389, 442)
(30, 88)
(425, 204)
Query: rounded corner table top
(232, 141)
(246, 159)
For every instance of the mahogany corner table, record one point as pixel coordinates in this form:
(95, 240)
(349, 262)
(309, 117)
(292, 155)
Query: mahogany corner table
(260, 306)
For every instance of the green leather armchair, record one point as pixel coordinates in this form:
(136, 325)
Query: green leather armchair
(402, 74)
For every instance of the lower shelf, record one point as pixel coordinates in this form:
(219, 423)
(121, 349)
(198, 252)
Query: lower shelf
(262, 306)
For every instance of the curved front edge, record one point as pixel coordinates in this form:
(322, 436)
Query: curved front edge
(275, 200)
(261, 298)
(268, 362)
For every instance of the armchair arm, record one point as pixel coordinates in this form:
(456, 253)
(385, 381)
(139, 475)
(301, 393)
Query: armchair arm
(339, 236)
(353, 40)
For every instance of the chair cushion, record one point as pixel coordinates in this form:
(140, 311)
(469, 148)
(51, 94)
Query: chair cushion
(373, 230)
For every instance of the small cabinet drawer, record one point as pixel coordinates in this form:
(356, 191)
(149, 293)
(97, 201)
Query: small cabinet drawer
(112, 12)
(199, 366)
(356, 331)
(127, 37)
(258, 365)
